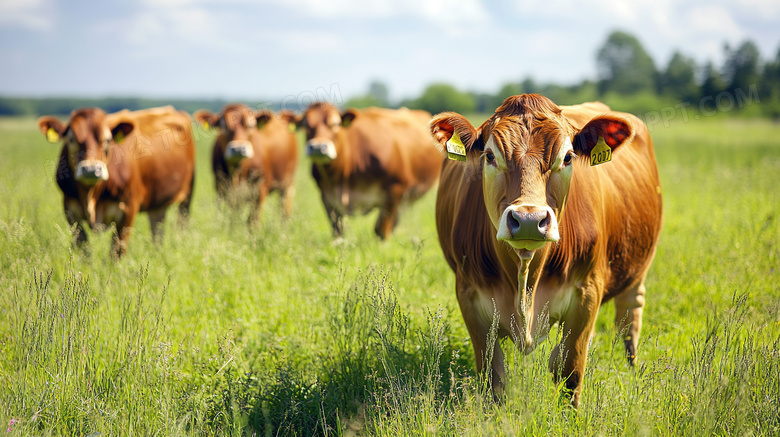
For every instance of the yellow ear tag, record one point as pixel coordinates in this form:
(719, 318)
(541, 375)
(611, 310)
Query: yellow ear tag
(600, 153)
(455, 148)
(119, 137)
(206, 126)
(52, 136)
(291, 126)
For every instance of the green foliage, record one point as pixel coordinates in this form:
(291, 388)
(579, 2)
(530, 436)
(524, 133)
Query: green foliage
(440, 97)
(679, 79)
(624, 67)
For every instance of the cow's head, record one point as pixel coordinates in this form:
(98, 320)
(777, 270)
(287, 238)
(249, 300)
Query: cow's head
(527, 152)
(87, 139)
(322, 123)
(237, 123)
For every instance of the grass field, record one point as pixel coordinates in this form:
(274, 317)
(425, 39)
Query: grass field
(220, 330)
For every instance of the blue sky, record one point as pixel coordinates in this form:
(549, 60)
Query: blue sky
(270, 49)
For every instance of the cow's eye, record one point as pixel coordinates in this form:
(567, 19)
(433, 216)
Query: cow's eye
(490, 157)
(567, 160)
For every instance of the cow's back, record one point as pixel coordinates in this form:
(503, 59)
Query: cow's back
(398, 141)
(160, 152)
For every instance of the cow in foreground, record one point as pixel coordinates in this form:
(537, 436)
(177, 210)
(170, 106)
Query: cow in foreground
(538, 236)
(113, 166)
(255, 154)
(369, 158)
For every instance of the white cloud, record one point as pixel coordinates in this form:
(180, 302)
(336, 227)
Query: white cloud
(32, 14)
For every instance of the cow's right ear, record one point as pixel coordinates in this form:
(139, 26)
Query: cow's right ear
(121, 131)
(51, 127)
(206, 119)
(292, 119)
(263, 116)
(348, 116)
(444, 128)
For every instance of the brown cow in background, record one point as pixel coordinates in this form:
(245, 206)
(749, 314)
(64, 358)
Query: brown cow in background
(113, 166)
(370, 158)
(538, 236)
(255, 154)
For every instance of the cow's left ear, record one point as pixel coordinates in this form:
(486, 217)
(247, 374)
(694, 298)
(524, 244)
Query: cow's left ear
(292, 120)
(206, 118)
(120, 131)
(615, 131)
(348, 116)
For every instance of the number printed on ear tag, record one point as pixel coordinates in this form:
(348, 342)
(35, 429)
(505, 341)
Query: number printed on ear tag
(600, 153)
(455, 148)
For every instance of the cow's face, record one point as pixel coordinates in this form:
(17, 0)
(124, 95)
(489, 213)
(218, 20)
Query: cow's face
(322, 124)
(237, 123)
(526, 154)
(87, 139)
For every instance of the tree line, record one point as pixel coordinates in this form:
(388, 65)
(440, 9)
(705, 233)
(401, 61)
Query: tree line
(627, 80)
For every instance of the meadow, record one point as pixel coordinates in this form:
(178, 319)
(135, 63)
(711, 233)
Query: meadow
(280, 330)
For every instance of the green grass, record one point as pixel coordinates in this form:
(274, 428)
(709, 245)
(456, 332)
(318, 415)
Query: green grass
(282, 331)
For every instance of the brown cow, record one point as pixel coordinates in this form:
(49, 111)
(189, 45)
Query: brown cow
(255, 154)
(538, 236)
(113, 166)
(370, 158)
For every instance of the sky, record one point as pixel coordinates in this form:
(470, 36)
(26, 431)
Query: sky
(277, 49)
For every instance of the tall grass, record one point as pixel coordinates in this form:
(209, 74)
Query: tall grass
(279, 330)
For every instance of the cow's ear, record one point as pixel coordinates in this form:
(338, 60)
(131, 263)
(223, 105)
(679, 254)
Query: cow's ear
(615, 132)
(293, 120)
(453, 128)
(206, 119)
(263, 116)
(348, 116)
(120, 131)
(51, 127)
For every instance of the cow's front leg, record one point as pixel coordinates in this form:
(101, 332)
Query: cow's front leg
(568, 358)
(487, 350)
(287, 197)
(73, 213)
(122, 235)
(157, 224)
(388, 213)
(257, 207)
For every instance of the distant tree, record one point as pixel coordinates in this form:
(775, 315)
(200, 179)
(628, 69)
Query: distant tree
(712, 81)
(741, 69)
(679, 79)
(441, 97)
(379, 91)
(508, 90)
(770, 87)
(624, 66)
(378, 95)
(530, 86)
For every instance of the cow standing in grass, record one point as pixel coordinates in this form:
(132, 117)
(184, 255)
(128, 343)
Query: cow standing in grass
(536, 235)
(113, 166)
(369, 158)
(255, 154)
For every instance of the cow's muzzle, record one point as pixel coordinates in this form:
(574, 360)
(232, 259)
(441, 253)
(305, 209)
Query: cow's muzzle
(528, 227)
(237, 151)
(321, 150)
(91, 171)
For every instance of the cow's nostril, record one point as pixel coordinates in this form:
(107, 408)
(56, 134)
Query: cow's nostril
(544, 223)
(513, 222)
